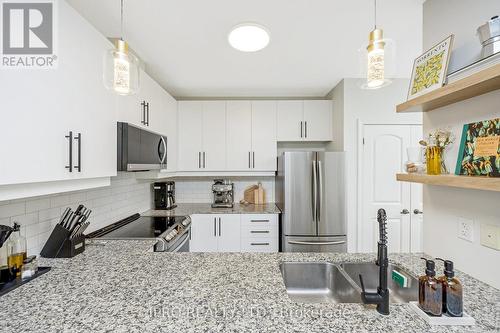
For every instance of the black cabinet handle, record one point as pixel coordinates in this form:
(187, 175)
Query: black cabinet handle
(147, 114)
(305, 132)
(79, 138)
(219, 227)
(204, 160)
(199, 160)
(215, 227)
(143, 116)
(253, 160)
(301, 129)
(70, 141)
(259, 244)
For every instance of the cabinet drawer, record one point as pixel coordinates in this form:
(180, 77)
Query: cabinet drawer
(259, 230)
(259, 219)
(259, 245)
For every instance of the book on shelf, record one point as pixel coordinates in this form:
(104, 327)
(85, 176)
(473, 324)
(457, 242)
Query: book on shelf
(473, 68)
(479, 152)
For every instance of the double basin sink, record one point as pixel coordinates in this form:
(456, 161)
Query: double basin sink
(324, 282)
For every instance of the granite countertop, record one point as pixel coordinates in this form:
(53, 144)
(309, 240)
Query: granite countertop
(184, 209)
(120, 286)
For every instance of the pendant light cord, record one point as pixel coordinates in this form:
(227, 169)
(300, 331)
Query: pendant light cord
(121, 19)
(375, 13)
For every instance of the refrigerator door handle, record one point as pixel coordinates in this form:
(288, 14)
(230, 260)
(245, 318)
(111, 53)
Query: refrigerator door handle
(320, 191)
(316, 243)
(315, 190)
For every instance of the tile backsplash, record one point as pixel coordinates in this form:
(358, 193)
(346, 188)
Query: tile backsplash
(200, 190)
(38, 215)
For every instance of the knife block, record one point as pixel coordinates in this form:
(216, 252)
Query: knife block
(59, 245)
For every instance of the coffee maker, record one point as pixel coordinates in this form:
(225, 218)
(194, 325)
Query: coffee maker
(164, 194)
(223, 193)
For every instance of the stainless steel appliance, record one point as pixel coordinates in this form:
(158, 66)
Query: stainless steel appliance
(140, 150)
(164, 194)
(223, 193)
(172, 233)
(489, 36)
(310, 191)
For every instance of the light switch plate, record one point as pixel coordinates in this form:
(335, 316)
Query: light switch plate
(466, 229)
(490, 236)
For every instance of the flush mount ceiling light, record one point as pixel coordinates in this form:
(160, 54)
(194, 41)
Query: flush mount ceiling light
(248, 37)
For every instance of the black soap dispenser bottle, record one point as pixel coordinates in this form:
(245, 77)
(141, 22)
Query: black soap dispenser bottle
(430, 290)
(452, 291)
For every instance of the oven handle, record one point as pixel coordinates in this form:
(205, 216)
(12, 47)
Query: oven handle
(186, 239)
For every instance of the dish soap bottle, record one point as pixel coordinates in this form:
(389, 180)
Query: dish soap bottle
(452, 291)
(16, 251)
(430, 290)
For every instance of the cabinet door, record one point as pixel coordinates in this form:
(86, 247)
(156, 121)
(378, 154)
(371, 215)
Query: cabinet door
(264, 145)
(214, 136)
(290, 117)
(239, 135)
(318, 120)
(203, 233)
(229, 233)
(190, 135)
(130, 110)
(169, 129)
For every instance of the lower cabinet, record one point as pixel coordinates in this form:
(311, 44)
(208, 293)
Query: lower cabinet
(234, 233)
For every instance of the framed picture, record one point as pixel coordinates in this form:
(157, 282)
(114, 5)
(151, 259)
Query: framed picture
(429, 70)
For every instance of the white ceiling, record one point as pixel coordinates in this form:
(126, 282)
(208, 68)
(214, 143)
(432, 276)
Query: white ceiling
(313, 44)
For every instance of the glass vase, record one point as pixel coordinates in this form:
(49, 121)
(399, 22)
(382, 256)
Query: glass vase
(433, 159)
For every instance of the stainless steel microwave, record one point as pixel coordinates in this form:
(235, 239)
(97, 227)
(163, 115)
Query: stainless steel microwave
(139, 149)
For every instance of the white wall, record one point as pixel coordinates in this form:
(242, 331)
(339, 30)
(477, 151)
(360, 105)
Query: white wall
(364, 107)
(461, 18)
(443, 206)
(199, 190)
(38, 215)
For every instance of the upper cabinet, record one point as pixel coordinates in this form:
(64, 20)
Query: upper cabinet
(59, 124)
(202, 135)
(264, 145)
(309, 120)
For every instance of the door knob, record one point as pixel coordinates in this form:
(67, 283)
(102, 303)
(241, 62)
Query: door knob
(405, 211)
(416, 211)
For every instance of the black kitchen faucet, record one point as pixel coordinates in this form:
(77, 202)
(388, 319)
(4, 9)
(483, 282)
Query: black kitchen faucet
(381, 297)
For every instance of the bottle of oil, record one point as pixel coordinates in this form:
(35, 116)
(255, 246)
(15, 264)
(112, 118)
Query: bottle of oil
(430, 290)
(16, 251)
(452, 291)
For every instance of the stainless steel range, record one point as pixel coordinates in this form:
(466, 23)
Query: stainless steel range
(172, 233)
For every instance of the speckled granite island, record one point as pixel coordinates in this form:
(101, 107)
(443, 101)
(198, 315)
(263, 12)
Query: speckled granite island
(184, 209)
(119, 286)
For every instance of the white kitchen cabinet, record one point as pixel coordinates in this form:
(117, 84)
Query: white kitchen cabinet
(41, 107)
(215, 233)
(309, 120)
(239, 135)
(202, 135)
(264, 145)
(259, 233)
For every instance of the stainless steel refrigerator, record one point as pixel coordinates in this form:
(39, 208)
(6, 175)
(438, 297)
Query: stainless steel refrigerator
(310, 191)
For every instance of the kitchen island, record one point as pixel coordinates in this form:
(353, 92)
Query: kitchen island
(121, 286)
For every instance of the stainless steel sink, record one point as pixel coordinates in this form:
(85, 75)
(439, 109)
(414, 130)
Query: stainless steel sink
(397, 293)
(317, 282)
(323, 282)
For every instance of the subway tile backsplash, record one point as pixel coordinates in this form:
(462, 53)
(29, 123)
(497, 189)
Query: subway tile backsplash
(37, 216)
(125, 196)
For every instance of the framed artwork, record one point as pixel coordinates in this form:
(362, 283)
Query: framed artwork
(479, 152)
(430, 69)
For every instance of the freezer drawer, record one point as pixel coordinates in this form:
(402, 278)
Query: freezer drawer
(314, 244)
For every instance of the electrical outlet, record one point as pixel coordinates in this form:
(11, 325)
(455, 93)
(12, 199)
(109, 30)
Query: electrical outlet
(490, 236)
(466, 229)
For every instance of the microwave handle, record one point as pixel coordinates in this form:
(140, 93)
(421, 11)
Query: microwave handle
(164, 144)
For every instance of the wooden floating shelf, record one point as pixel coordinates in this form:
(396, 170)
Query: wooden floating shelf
(477, 183)
(474, 85)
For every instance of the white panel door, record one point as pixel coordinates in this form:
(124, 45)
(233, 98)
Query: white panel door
(239, 135)
(416, 210)
(214, 136)
(229, 232)
(203, 233)
(190, 135)
(264, 145)
(384, 153)
(290, 120)
(318, 120)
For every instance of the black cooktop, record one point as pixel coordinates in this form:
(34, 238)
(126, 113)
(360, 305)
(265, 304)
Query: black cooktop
(137, 226)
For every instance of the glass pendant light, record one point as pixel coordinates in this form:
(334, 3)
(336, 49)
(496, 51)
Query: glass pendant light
(375, 57)
(121, 68)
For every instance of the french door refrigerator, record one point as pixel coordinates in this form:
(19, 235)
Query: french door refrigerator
(310, 191)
